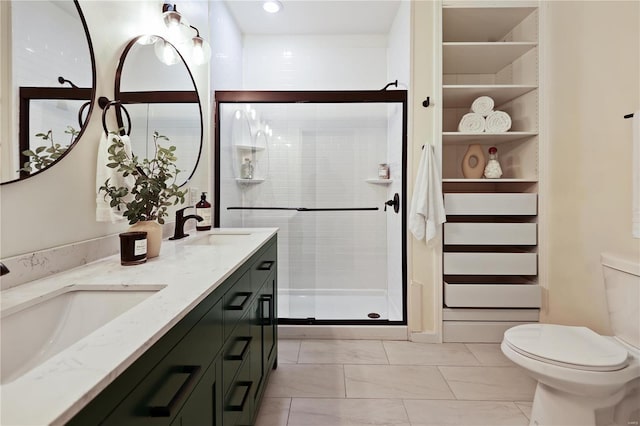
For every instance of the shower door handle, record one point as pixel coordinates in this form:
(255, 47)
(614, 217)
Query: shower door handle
(395, 202)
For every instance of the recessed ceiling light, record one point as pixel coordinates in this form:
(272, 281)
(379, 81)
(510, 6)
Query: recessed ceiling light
(272, 6)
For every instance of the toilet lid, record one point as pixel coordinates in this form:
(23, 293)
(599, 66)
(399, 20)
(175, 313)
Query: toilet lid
(573, 347)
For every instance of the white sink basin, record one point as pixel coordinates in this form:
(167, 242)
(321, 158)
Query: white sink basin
(38, 329)
(219, 239)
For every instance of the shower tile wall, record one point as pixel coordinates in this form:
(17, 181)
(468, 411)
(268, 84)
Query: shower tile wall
(320, 164)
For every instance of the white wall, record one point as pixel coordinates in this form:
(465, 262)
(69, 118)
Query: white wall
(226, 47)
(593, 77)
(57, 206)
(315, 62)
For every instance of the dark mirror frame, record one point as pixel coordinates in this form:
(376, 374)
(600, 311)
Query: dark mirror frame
(27, 94)
(153, 97)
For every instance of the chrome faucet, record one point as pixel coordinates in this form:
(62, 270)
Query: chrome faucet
(181, 219)
(3, 269)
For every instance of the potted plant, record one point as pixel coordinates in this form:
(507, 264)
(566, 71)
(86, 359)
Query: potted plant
(154, 190)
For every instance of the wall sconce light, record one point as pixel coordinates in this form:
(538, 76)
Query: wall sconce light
(200, 50)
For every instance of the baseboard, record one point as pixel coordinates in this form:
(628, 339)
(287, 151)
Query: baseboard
(425, 337)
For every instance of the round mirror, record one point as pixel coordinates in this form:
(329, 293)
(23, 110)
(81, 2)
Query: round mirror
(155, 86)
(47, 81)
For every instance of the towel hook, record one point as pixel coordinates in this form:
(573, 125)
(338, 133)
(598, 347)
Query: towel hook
(426, 102)
(119, 107)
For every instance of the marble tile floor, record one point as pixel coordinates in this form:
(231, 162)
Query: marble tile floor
(373, 382)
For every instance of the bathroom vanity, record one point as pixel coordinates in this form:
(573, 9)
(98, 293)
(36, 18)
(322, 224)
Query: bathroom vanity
(198, 349)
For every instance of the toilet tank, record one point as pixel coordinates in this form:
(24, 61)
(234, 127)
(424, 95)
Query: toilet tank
(622, 284)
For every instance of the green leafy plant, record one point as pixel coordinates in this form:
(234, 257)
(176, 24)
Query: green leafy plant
(155, 186)
(44, 155)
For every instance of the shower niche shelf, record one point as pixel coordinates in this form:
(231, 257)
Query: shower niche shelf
(252, 148)
(380, 181)
(249, 181)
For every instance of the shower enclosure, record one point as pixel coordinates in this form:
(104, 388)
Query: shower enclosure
(308, 163)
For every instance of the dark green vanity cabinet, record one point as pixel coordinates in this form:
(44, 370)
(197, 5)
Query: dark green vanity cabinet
(210, 368)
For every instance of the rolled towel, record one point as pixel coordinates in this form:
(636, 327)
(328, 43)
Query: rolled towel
(482, 105)
(472, 123)
(498, 122)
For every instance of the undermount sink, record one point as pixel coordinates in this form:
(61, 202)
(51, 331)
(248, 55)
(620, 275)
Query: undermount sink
(218, 239)
(38, 329)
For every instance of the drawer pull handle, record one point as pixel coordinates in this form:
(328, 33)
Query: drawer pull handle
(175, 376)
(266, 265)
(240, 407)
(243, 352)
(236, 307)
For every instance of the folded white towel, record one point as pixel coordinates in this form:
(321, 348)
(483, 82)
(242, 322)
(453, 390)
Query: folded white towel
(472, 123)
(482, 105)
(427, 205)
(104, 213)
(635, 173)
(498, 122)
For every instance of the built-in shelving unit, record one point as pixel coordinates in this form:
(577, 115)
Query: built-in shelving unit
(252, 148)
(490, 246)
(249, 181)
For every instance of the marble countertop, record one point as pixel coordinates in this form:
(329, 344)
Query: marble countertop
(54, 391)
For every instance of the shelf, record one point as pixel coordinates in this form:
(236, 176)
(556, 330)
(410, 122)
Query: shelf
(481, 57)
(249, 181)
(459, 138)
(481, 23)
(380, 181)
(250, 147)
(462, 96)
(501, 180)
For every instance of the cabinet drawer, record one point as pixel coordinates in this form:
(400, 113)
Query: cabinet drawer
(490, 204)
(263, 266)
(490, 264)
(159, 397)
(492, 295)
(490, 233)
(238, 404)
(236, 303)
(236, 351)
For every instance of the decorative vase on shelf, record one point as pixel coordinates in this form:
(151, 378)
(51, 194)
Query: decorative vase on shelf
(154, 235)
(473, 162)
(493, 169)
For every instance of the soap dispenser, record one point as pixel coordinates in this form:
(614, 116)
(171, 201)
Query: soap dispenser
(203, 209)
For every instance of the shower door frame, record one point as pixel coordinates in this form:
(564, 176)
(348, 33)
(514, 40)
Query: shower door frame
(326, 97)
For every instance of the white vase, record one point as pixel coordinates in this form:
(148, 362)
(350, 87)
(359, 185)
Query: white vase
(154, 235)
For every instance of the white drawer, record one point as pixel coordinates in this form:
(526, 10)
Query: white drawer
(490, 264)
(490, 314)
(490, 233)
(492, 295)
(491, 204)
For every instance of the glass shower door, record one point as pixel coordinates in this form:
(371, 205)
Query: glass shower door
(316, 164)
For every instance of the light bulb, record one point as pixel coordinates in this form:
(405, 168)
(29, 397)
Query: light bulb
(201, 51)
(166, 53)
(147, 39)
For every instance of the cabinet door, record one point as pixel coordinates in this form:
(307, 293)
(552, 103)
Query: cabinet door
(204, 407)
(269, 323)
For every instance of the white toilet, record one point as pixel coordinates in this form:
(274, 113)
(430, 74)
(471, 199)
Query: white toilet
(585, 378)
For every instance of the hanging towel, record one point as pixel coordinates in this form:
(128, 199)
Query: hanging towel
(427, 207)
(104, 213)
(635, 173)
(482, 105)
(498, 122)
(472, 123)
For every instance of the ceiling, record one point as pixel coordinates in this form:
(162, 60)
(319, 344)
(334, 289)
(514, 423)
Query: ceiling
(316, 16)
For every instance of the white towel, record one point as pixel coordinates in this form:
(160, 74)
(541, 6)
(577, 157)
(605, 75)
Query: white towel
(482, 105)
(635, 173)
(427, 206)
(472, 123)
(104, 213)
(498, 122)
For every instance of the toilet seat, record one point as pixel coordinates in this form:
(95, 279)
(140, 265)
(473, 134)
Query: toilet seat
(571, 347)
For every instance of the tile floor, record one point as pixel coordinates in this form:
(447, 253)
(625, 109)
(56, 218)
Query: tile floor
(373, 382)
